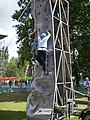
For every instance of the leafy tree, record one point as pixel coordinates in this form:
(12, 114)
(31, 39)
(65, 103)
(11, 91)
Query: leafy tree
(13, 68)
(22, 30)
(80, 32)
(5, 57)
(6, 54)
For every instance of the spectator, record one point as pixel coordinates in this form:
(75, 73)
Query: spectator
(10, 83)
(88, 85)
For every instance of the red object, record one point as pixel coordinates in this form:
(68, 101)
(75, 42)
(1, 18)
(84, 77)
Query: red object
(1, 78)
(12, 78)
(7, 78)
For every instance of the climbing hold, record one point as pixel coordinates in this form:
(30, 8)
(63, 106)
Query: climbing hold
(38, 13)
(45, 9)
(46, 26)
(46, 19)
(40, 5)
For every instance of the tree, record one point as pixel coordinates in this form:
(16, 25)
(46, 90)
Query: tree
(13, 68)
(24, 24)
(6, 54)
(80, 32)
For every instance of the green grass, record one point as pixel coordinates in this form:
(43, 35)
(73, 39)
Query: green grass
(13, 106)
(12, 115)
(16, 97)
(74, 118)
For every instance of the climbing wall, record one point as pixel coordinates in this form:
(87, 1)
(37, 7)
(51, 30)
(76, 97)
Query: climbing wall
(50, 90)
(40, 100)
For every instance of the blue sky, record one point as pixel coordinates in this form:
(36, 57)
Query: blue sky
(7, 8)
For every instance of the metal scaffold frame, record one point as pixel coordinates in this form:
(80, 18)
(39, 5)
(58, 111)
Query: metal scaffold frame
(62, 54)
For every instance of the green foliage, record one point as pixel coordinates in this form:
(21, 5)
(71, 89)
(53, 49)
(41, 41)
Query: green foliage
(25, 23)
(80, 32)
(13, 106)
(23, 79)
(13, 68)
(6, 54)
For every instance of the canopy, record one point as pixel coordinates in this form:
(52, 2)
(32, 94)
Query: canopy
(1, 78)
(12, 78)
(7, 78)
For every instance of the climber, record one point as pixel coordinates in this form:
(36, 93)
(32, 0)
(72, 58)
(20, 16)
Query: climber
(42, 50)
(32, 43)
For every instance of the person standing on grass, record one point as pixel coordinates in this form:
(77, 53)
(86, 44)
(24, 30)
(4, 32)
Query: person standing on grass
(88, 85)
(10, 83)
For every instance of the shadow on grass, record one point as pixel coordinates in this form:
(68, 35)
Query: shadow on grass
(17, 97)
(12, 115)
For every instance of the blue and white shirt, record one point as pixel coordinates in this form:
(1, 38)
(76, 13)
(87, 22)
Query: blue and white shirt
(42, 43)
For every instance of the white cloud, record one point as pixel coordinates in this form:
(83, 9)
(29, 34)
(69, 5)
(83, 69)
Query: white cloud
(7, 8)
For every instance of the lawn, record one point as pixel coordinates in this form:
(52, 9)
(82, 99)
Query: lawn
(13, 106)
(73, 118)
